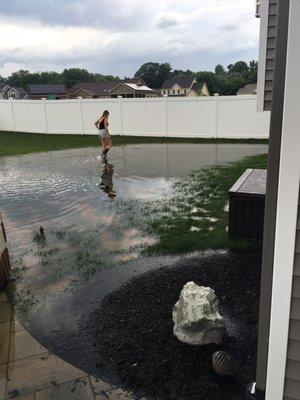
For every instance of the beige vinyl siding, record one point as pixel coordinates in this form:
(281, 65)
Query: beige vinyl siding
(204, 90)
(292, 382)
(270, 56)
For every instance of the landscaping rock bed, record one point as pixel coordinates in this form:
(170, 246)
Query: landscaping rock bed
(132, 330)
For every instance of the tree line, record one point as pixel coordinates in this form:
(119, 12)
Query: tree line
(225, 81)
(68, 77)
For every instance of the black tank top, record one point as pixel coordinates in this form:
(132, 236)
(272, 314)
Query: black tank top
(101, 125)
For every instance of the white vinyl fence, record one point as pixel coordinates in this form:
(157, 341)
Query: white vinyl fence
(204, 117)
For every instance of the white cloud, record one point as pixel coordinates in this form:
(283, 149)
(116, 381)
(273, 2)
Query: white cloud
(117, 36)
(170, 19)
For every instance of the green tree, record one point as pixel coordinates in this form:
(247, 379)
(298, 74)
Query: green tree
(68, 76)
(220, 70)
(179, 73)
(233, 83)
(49, 77)
(239, 67)
(19, 78)
(76, 75)
(215, 83)
(154, 74)
(104, 78)
(252, 74)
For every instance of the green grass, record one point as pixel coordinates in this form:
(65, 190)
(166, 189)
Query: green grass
(23, 143)
(195, 216)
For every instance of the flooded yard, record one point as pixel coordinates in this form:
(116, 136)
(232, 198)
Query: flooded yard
(150, 207)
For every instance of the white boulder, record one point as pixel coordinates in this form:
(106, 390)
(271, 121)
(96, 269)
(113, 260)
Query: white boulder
(196, 316)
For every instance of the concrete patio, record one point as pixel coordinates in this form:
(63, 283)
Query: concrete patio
(28, 371)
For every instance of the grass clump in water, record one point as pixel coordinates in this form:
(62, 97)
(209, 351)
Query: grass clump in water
(195, 216)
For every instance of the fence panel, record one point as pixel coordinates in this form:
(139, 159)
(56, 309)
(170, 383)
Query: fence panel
(29, 116)
(6, 116)
(191, 117)
(64, 116)
(144, 116)
(238, 118)
(218, 116)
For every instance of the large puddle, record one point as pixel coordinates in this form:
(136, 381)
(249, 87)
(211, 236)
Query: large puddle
(66, 189)
(94, 239)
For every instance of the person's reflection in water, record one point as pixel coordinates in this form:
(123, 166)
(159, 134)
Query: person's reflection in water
(106, 183)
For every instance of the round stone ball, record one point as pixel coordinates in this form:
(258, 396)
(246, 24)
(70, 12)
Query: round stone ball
(224, 364)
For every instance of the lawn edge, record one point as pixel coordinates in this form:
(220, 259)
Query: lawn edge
(31, 142)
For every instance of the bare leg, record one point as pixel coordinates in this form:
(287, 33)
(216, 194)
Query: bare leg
(103, 145)
(108, 144)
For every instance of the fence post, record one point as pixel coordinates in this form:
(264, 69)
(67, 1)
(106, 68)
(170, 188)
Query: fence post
(166, 115)
(81, 114)
(45, 111)
(13, 114)
(121, 114)
(216, 95)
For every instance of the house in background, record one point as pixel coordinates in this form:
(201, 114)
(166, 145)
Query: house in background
(129, 88)
(184, 87)
(9, 92)
(50, 92)
(250, 88)
(17, 93)
(4, 88)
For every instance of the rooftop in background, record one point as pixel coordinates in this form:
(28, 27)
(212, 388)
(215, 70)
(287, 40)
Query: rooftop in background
(111, 88)
(197, 86)
(46, 89)
(250, 88)
(94, 88)
(4, 86)
(182, 82)
(182, 87)
(22, 92)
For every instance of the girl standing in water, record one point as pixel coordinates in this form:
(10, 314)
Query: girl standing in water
(102, 125)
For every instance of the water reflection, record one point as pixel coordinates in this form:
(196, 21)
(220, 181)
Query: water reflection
(69, 194)
(106, 183)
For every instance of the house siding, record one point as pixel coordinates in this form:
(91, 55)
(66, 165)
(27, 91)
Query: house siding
(270, 56)
(292, 382)
(80, 93)
(204, 90)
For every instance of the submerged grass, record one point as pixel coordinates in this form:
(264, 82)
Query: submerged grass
(195, 216)
(23, 143)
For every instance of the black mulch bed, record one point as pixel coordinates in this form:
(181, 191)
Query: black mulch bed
(132, 330)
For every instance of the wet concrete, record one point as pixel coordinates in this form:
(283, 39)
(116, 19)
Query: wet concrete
(93, 242)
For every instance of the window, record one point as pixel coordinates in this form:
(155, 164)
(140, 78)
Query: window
(184, 91)
(173, 91)
(178, 91)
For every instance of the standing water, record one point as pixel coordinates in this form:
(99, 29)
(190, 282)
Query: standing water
(94, 237)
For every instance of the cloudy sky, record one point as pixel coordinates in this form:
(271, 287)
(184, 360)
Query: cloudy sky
(117, 36)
